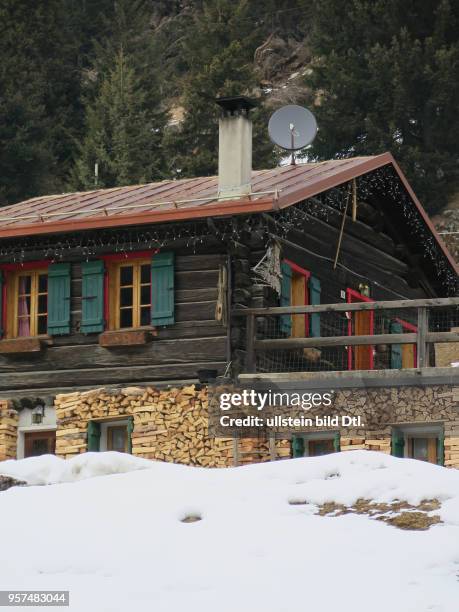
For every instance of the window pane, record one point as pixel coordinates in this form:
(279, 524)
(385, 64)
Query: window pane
(126, 275)
(42, 303)
(24, 326)
(145, 273)
(145, 294)
(126, 317)
(24, 284)
(24, 306)
(42, 324)
(126, 296)
(42, 283)
(118, 437)
(145, 317)
(420, 448)
(39, 447)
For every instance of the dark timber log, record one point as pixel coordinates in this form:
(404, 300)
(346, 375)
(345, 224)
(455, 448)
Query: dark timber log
(156, 352)
(120, 375)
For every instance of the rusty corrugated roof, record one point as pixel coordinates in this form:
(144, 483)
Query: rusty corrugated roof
(188, 198)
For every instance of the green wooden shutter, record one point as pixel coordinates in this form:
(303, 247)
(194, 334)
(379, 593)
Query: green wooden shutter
(441, 449)
(130, 429)
(59, 299)
(92, 302)
(337, 442)
(396, 349)
(162, 289)
(297, 446)
(93, 436)
(314, 298)
(285, 297)
(398, 445)
(1, 304)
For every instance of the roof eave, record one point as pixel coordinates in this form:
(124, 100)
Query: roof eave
(232, 207)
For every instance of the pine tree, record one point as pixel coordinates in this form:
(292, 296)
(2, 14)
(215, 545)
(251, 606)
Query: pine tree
(219, 50)
(122, 136)
(387, 74)
(39, 86)
(125, 116)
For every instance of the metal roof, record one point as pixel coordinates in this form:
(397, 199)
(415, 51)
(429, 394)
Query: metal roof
(189, 199)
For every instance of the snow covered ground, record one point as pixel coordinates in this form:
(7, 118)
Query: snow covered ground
(116, 540)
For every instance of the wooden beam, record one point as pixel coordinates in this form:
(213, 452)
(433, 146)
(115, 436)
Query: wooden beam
(345, 307)
(421, 344)
(298, 343)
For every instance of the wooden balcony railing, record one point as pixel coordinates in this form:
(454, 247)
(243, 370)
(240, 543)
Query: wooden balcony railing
(425, 323)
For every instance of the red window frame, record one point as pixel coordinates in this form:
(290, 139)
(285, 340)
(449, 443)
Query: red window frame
(353, 296)
(307, 274)
(14, 267)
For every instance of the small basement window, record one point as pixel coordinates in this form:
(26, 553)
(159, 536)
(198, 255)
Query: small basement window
(422, 442)
(315, 444)
(112, 435)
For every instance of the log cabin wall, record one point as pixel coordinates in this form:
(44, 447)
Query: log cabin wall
(196, 339)
(367, 256)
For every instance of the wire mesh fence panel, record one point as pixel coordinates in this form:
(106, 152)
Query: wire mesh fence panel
(444, 319)
(331, 324)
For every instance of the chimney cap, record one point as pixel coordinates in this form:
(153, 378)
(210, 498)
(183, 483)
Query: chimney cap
(234, 104)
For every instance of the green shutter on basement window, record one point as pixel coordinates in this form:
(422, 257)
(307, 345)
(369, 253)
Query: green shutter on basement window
(162, 289)
(1, 303)
(130, 429)
(297, 446)
(93, 436)
(396, 349)
(314, 298)
(441, 449)
(285, 297)
(398, 445)
(337, 443)
(92, 294)
(59, 299)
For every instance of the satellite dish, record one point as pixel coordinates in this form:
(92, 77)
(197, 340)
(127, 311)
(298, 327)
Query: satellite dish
(292, 127)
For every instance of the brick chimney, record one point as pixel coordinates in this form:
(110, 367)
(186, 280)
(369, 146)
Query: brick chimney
(235, 147)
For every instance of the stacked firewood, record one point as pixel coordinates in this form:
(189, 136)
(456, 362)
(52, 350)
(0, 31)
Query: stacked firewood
(170, 424)
(8, 431)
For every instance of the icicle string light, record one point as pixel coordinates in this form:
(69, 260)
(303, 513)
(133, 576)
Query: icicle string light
(235, 229)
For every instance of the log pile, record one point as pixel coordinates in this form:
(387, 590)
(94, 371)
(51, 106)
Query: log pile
(171, 425)
(382, 446)
(8, 431)
(348, 444)
(452, 452)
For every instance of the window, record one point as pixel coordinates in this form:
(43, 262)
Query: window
(131, 294)
(315, 444)
(298, 288)
(29, 302)
(113, 435)
(117, 437)
(422, 442)
(39, 443)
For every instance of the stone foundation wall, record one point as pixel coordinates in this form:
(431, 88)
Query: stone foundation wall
(8, 431)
